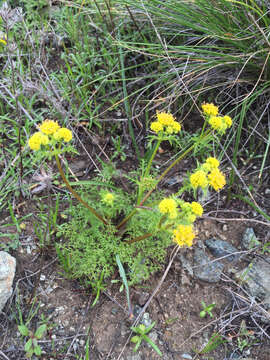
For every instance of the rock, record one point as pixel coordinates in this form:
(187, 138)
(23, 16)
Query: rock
(186, 356)
(249, 239)
(146, 319)
(220, 248)
(256, 279)
(205, 269)
(7, 272)
(186, 264)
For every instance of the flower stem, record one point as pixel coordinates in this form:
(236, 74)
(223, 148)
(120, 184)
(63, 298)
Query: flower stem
(176, 161)
(139, 238)
(146, 173)
(75, 194)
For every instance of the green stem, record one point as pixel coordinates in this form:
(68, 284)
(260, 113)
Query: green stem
(146, 173)
(139, 238)
(123, 222)
(250, 203)
(75, 194)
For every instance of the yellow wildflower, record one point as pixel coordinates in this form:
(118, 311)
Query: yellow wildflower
(3, 40)
(210, 109)
(63, 133)
(35, 141)
(216, 179)
(156, 126)
(49, 127)
(198, 179)
(228, 120)
(168, 206)
(44, 140)
(213, 163)
(197, 208)
(108, 198)
(165, 118)
(176, 127)
(217, 123)
(184, 235)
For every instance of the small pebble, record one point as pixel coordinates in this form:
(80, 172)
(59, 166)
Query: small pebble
(225, 227)
(186, 356)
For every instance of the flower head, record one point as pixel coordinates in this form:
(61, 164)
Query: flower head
(63, 133)
(216, 179)
(197, 208)
(210, 164)
(218, 123)
(168, 206)
(49, 127)
(198, 179)
(156, 126)
(210, 109)
(108, 198)
(165, 118)
(3, 39)
(165, 122)
(228, 120)
(36, 140)
(184, 235)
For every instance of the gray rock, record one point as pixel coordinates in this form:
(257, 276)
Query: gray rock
(146, 319)
(249, 239)
(205, 269)
(7, 272)
(186, 356)
(256, 279)
(220, 248)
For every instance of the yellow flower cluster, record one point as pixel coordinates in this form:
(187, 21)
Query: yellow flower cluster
(49, 130)
(165, 123)
(186, 214)
(183, 235)
(208, 174)
(209, 109)
(198, 179)
(216, 179)
(37, 140)
(49, 127)
(218, 123)
(168, 206)
(190, 211)
(108, 198)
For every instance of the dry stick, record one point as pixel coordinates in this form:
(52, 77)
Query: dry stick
(136, 321)
(75, 194)
(4, 356)
(237, 219)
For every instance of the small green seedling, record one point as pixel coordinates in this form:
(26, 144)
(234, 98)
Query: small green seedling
(31, 347)
(207, 309)
(142, 332)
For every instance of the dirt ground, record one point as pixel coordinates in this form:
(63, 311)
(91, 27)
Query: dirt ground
(180, 333)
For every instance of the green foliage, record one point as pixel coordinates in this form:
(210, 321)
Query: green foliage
(214, 342)
(207, 309)
(91, 247)
(31, 346)
(142, 331)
